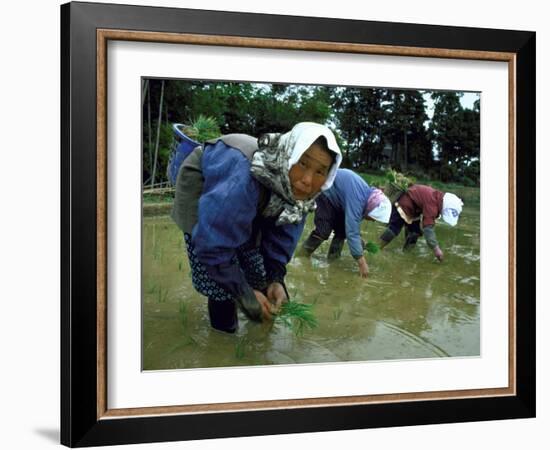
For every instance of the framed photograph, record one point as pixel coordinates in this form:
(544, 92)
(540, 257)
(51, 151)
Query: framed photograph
(409, 316)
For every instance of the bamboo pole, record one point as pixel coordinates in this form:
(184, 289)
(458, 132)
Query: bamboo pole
(144, 92)
(158, 134)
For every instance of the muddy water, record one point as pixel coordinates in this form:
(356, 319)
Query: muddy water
(411, 306)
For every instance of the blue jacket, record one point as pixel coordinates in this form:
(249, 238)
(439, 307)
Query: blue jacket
(228, 219)
(349, 194)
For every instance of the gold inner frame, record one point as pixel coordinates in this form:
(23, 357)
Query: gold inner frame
(104, 35)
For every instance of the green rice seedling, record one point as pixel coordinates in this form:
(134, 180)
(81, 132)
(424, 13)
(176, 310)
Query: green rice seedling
(157, 253)
(183, 314)
(396, 184)
(337, 312)
(185, 342)
(180, 265)
(400, 180)
(151, 287)
(162, 295)
(297, 316)
(372, 248)
(240, 348)
(202, 128)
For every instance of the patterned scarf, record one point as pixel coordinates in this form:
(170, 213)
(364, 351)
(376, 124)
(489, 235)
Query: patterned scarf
(270, 166)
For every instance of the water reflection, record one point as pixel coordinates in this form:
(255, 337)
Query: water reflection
(410, 306)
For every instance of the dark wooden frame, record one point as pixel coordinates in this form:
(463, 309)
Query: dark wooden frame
(85, 417)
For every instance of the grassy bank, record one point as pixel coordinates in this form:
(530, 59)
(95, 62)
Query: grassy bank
(158, 202)
(470, 195)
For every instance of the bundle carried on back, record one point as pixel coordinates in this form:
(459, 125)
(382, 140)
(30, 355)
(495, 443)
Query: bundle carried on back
(186, 139)
(202, 129)
(396, 184)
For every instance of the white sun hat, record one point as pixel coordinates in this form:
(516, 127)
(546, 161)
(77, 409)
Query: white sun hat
(452, 207)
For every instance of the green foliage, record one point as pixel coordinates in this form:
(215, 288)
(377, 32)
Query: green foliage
(158, 197)
(377, 179)
(297, 316)
(165, 145)
(470, 195)
(359, 115)
(405, 129)
(455, 133)
(471, 174)
(202, 129)
(375, 128)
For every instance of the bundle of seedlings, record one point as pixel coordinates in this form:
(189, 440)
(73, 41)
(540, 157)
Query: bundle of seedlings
(396, 184)
(202, 129)
(372, 247)
(297, 316)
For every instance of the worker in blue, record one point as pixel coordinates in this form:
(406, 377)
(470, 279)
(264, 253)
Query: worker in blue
(341, 209)
(241, 203)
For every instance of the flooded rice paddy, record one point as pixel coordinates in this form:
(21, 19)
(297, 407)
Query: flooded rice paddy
(411, 306)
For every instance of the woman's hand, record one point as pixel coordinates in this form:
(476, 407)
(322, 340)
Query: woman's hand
(438, 253)
(276, 294)
(265, 304)
(363, 267)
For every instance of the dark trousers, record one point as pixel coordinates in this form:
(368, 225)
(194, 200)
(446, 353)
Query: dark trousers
(222, 308)
(412, 231)
(327, 218)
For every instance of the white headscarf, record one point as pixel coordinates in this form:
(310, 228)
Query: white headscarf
(452, 207)
(299, 139)
(271, 164)
(382, 212)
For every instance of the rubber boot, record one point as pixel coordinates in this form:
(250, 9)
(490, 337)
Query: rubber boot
(311, 244)
(250, 306)
(335, 249)
(223, 315)
(386, 237)
(410, 240)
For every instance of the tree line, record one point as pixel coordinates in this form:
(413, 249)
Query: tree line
(376, 128)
